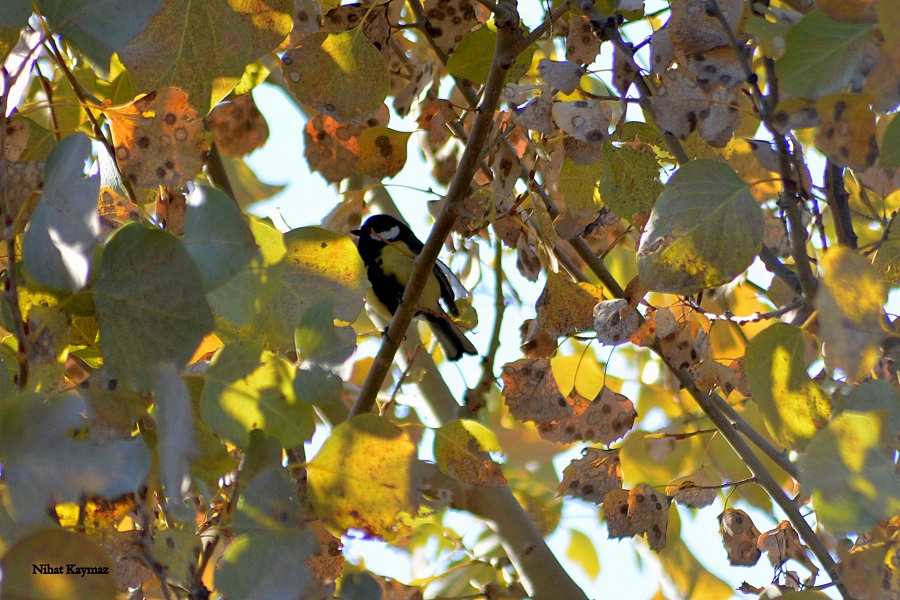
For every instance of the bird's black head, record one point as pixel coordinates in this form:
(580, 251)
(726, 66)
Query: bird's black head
(383, 229)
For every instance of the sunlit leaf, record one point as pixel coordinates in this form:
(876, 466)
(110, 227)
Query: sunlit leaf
(691, 242)
(794, 406)
(200, 47)
(630, 182)
(326, 70)
(566, 307)
(852, 479)
(382, 151)
(461, 450)
(159, 139)
(365, 478)
(582, 551)
(60, 235)
(246, 389)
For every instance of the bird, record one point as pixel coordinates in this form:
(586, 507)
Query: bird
(388, 248)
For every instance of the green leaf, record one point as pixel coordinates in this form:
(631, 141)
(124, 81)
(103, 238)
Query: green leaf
(890, 143)
(149, 304)
(704, 230)
(850, 302)
(268, 565)
(319, 265)
(578, 186)
(317, 386)
(268, 21)
(365, 477)
(243, 296)
(175, 444)
(887, 259)
(248, 389)
(12, 19)
(317, 338)
(60, 236)
(200, 47)
(822, 55)
(630, 182)
(327, 70)
(877, 395)
(98, 29)
(853, 482)
(473, 55)
(581, 550)
(56, 548)
(461, 450)
(217, 237)
(793, 405)
(43, 463)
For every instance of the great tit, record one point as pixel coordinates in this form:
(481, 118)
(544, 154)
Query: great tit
(388, 248)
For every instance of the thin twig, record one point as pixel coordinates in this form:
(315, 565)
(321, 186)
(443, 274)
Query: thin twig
(839, 202)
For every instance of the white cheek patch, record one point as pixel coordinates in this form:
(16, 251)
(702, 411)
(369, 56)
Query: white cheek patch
(389, 235)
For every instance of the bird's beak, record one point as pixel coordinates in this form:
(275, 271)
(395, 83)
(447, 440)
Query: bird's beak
(355, 232)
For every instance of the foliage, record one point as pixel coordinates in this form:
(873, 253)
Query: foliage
(167, 356)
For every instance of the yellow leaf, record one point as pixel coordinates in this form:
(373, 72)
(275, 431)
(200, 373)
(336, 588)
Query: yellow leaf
(382, 151)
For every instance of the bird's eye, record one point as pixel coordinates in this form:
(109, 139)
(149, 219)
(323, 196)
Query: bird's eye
(390, 234)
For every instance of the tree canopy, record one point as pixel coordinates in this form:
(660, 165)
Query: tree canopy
(705, 190)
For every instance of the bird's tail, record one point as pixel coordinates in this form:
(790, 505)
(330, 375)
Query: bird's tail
(451, 338)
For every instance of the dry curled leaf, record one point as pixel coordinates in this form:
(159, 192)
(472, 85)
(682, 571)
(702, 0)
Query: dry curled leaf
(641, 511)
(592, 476)
(694, 490)
(585, 120)
(687, 346)
(847, 134)
(531, 392)
(564, 76)
(615, 321)
(582, 46)
(448, 21)
(782, 544)
(159, 139)
(739, 536)
(709, 375)
(679, 104)
(605, 419)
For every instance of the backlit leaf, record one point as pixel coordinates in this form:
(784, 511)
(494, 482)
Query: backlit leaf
(630, 182)
(365, 477)
(822, 55)
(704, 230)
(794, 406)
(246, 389)
(852, 479)
(847, 132)
(566, 307)
(159, 139)
(200, 47)
(850, 303)
(461, 450)
(382, 151)
(448, 21)
(325, 71)
(590, 477)
(582, 551)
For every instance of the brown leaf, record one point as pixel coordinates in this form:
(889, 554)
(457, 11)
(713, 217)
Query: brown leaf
(693, 490)
(565, 307)
(20, 180)
(331, 147)
(377, 29)
(170, 209)
(782, 544)
(582, 153)
(506, 171)
(564, 76)
(847, 133)
(115, 210)
(709, 375)
(679, 104)
(536, 115)
(662, 52)
(687, 346)
(716, 66)
(326, 565)
(608, 418)
(582, 46)
(527, 260)
(435, 117)
(531, 392)
(624, 72)
(422, 77)
(722, 119)
(592, 476)
(239, 127)
(585, 120)
(448, 21)
(739, 536)
(694, 30)
(615, 322)
(641, 511)
(17, 135)
(536, 343)
(159, 139)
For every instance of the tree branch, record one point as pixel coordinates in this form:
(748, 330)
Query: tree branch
(838, 201)
(505, 53)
